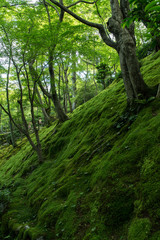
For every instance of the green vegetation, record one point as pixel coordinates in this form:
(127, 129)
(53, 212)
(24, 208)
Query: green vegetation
(151, 65)
(100, 178)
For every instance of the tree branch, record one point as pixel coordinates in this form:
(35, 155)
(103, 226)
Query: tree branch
(48, 4)
(81, 1)
(98, 26)
(62, 12)
(36, 78)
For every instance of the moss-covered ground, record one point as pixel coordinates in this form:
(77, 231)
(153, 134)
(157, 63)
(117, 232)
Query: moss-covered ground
(100, 179)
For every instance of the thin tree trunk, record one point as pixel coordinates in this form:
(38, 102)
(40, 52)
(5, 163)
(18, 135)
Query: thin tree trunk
(31, 93)
(74, 89)
(46, 117)
(94, 69)
(59, 84)
(61, 115)
(64, 95)
(8, 106)
(67, 89)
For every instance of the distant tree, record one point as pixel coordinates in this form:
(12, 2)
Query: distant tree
(18, 60)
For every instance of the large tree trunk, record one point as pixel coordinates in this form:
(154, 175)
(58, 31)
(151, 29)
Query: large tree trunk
(133, 81)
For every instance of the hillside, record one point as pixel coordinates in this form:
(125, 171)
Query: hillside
(101, 176)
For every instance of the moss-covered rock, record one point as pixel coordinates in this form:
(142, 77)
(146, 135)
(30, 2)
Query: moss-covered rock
(150, 69)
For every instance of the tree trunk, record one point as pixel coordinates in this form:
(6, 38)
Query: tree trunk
(59, 84)
(133, 81)
(45, 115)
(13, 142)
(67, 89)
(61, 115)
(74, 88)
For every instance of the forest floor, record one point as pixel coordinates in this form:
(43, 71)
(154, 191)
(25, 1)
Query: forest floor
(101, 176)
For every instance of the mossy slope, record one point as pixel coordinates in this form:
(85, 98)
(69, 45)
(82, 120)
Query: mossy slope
(100, 179)
(150, 69)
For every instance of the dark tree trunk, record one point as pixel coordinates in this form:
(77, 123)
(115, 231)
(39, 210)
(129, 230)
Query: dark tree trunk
(13, 142)
(133, 81)
(45, 115)
(74, 89)
(64, 96)
(61, 115)
(67, 88)
(59, 84)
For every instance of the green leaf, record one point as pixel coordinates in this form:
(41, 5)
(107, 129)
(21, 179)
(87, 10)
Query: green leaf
(156, 8)
(151, 4)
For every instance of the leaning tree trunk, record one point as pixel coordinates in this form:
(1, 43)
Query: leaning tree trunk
(126, 48)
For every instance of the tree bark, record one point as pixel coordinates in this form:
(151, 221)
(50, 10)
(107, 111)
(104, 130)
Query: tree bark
(74, 88)
(61, 115)
(133, 81)
(67, 88)
(45, 115)
(13, 142)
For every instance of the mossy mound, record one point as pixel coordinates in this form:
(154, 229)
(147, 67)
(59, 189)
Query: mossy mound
(100, 178)
(150, 69)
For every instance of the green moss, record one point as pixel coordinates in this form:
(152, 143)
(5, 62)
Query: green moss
(150, 69)
(101, 173)
(156, 236)
(139, 229)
